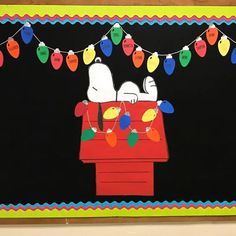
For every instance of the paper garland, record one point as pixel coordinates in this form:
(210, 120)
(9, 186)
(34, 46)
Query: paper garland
(125, 120)
(128, 46)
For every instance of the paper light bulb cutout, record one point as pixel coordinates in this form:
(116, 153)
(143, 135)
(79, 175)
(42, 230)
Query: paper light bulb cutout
(138, 57)
(1, 59)
(165, 106)
(128, 45)
(153, 134)
(116, 34)
(185, 56)
(81, 108)
(133, 138)
(233, 56)
(223, 45)
(212, 34)
(200, 47)
(27, 33)
(72, 61)
(111, 113)
(89, 54)
(13, 48)
(149, 115)
(88, 134)
(125, 121)
(42, 52)
(56, 59)
(106, 46)
(169, 65)
(111, 138)
(153, 62)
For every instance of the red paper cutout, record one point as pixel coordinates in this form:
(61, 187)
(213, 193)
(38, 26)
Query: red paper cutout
(125, 178)
(200, 47)
(128, 45)
(121, 156)
(81, 108)
(56, 59)
(1, 58)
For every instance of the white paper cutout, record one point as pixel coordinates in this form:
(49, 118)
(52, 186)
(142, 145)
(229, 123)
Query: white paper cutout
(101, 87)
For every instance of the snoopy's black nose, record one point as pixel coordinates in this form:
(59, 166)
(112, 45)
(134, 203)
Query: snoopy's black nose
(98, 60)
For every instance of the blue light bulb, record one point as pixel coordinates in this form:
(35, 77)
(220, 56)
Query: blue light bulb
(166, 107)
(125, 121)
(106, 46)
(233, 56)
(26, 33)
(169, 65)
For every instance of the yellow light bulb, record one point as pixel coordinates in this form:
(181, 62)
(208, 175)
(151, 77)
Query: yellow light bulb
(89, 54)
(149, 115)
(224, 45)
(153, 62)
(111, 113)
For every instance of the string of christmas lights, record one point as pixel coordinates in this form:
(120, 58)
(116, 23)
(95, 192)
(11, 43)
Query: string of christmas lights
(125, 121)
(114, 36)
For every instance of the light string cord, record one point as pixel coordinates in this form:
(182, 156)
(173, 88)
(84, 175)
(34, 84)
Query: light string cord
(188, 45)
(178, 51)
(78, 51)
(102, 132)
(145, 50)
(5, 41)
(116, 121)
(226, 36)
(173, 53)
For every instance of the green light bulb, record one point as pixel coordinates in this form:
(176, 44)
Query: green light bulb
(133, 138)
(116, 34)
(42, 52)
(88, 134)
(185, 56)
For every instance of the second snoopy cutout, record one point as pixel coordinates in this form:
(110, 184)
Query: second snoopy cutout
(101, 87)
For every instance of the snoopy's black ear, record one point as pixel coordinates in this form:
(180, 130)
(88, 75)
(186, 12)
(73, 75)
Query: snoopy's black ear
(98, 60)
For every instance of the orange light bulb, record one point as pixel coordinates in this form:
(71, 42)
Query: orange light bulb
(72, 61)
(153, 134)
(13, 48)
(138, 57)
(111, 138)
(212, 34)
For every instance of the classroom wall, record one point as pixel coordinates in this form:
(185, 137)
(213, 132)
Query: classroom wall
(204, 229)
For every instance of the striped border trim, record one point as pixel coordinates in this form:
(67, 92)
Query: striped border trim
(113, 209)
(122, 14)
(122, 20)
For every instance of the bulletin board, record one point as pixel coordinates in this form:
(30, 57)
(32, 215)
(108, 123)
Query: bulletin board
(57, 156)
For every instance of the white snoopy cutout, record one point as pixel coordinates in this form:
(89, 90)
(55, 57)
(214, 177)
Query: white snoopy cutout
(101, 87)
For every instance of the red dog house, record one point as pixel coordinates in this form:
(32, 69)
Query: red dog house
(124, 170)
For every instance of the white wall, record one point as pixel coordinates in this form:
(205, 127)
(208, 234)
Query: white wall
(203, 229)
